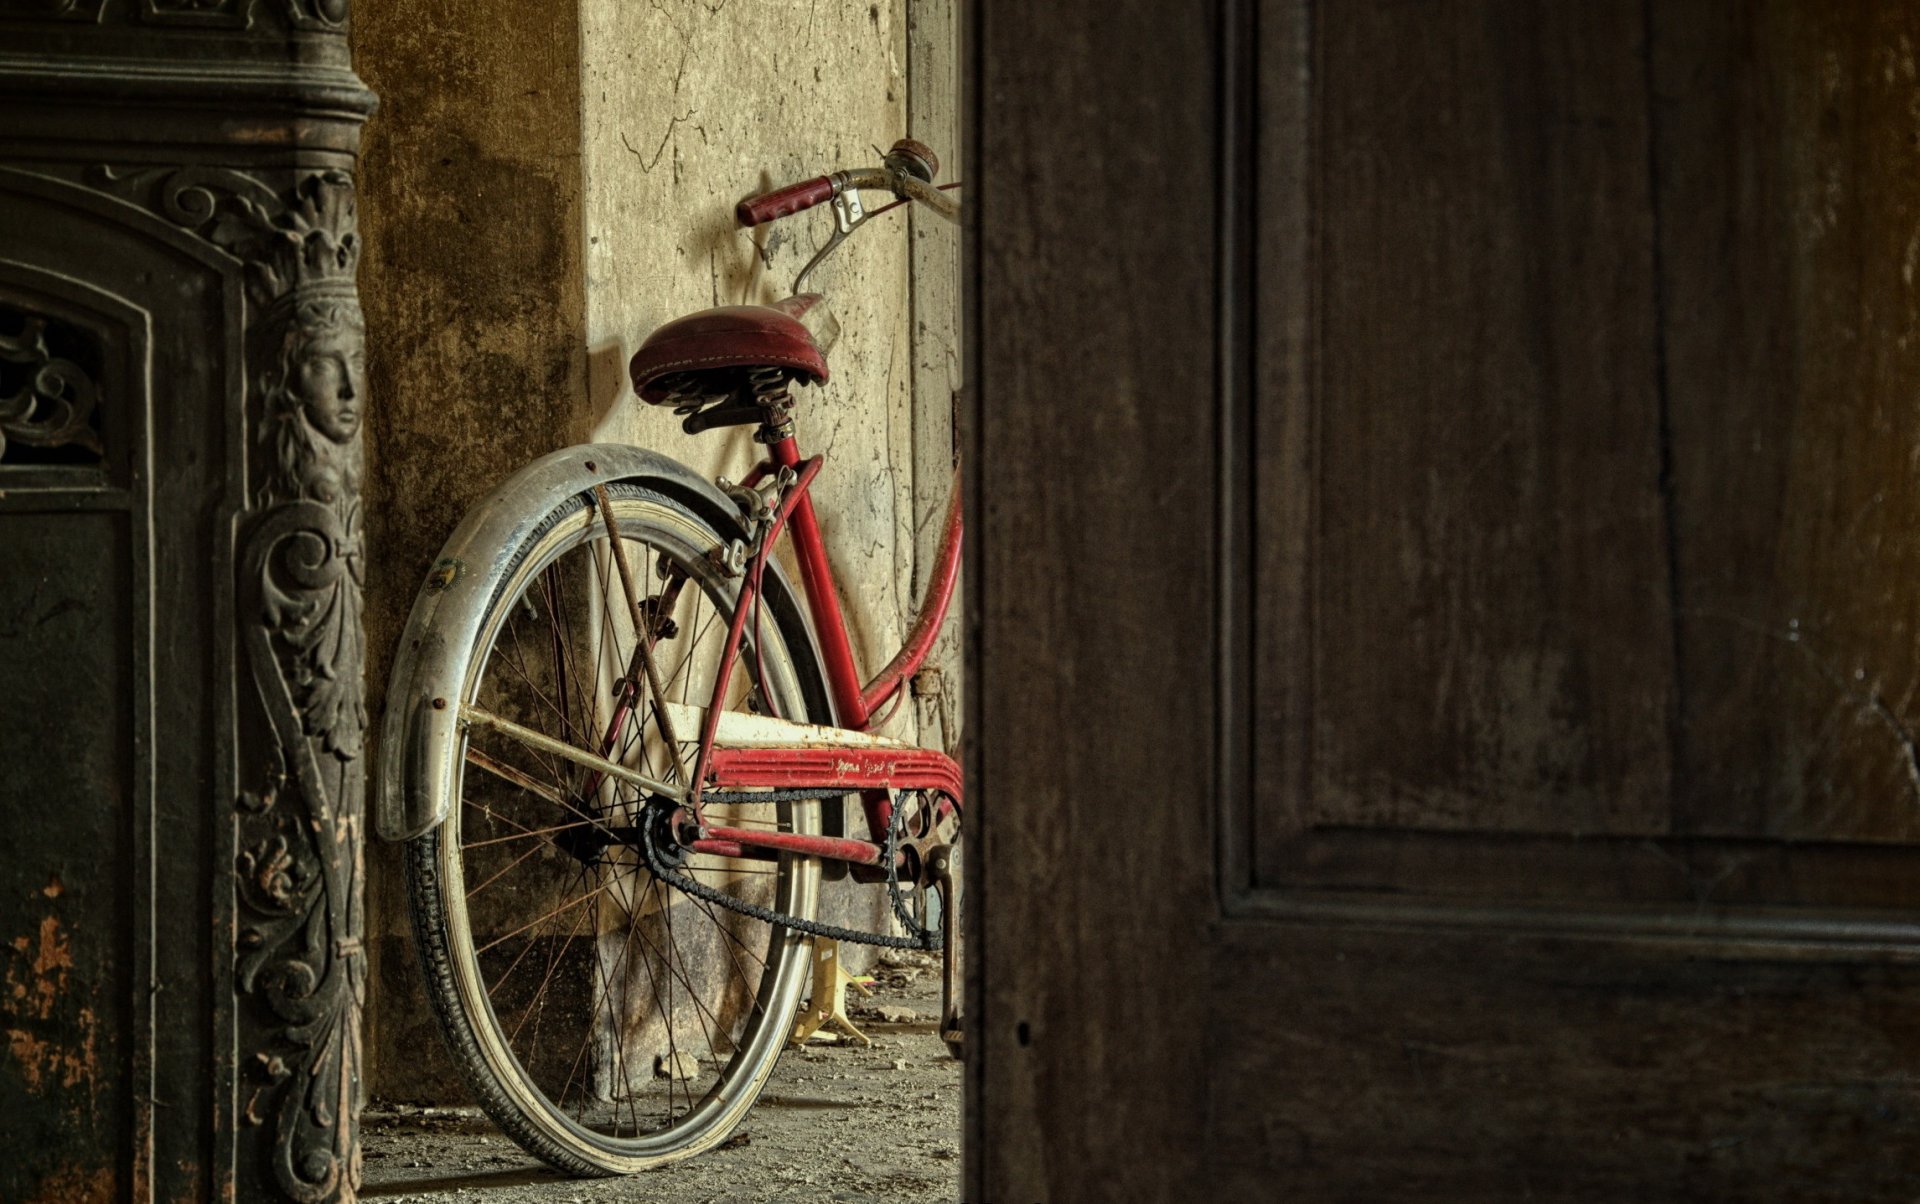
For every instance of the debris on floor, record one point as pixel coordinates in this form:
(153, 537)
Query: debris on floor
(838, 1122)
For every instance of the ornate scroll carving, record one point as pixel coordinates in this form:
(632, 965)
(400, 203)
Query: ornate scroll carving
(47, 400)
(301, 571)
(327, 14)
(219, 14)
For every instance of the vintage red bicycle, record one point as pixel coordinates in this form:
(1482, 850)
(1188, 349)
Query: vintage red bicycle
(629, 757)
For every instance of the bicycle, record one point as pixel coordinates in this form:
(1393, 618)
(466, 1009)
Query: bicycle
(614, 887)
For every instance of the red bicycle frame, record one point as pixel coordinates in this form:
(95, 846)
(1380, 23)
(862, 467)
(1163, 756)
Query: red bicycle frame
(871, 771)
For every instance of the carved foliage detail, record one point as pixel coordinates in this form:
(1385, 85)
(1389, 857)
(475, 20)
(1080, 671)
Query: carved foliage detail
(47, 396)
(298, 869)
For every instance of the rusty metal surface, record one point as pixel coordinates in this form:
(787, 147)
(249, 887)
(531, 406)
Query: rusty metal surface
(67, 991)
(180, 723)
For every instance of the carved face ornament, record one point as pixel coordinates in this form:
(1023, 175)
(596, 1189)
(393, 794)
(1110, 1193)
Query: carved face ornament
(329, 380)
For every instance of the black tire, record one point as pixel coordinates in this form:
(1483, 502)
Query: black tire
(650, 1040)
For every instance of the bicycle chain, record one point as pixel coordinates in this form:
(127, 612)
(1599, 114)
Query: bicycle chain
(928, 941)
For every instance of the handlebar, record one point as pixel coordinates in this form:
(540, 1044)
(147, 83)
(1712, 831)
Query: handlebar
(908, 174)
(781, 202)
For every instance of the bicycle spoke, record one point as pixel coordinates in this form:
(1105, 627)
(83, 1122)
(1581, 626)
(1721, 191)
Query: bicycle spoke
(501, 769)
(514, 654)
(625, 1008)
(642, 627)
(556, 637)
(536, 1006)
(681, 976)
(586, 1042)
(595, 893)
(556, 955)
(525, 834)
(701, 1013)
(733, 942)
(502, 871)
(618, 1018)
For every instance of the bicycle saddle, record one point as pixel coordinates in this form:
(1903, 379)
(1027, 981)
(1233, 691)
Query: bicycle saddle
(708, 354)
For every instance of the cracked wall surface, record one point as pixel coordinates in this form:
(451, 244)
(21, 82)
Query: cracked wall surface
(545, 184)
(688, 106)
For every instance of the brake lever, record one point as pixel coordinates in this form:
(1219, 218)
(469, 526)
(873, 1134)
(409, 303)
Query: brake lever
(848, 213)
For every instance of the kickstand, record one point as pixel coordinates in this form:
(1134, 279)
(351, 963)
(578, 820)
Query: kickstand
(828, 1007)
(951, 964)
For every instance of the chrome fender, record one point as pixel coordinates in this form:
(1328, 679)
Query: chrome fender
(418, 739)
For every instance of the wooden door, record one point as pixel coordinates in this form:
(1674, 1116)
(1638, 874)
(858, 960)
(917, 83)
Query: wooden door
(1444, 612)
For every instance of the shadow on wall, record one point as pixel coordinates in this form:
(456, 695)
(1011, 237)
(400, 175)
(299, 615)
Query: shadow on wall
(716, 238)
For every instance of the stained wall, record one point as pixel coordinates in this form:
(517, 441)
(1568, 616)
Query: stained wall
(688, 106)
(546, 182)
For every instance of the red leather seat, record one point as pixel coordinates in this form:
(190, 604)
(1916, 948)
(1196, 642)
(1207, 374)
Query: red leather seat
(729, 337)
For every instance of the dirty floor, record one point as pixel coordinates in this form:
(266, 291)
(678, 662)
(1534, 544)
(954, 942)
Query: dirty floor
(839, 1122)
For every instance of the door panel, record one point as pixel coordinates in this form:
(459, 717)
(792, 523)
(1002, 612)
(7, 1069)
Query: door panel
(1789, 213)
(1579, 520)
(1466, 751)
(1484, 524)
(1362, 1065)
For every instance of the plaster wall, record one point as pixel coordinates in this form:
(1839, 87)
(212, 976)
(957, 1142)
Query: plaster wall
(546, 182)
(472, 285)
(688, 106)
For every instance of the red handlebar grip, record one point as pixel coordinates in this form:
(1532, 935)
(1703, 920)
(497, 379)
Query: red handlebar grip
(782, 201)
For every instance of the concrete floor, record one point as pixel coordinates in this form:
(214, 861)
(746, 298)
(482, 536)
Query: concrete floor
(840, 1122)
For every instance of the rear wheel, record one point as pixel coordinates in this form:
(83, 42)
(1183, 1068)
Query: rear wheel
(605, 1020)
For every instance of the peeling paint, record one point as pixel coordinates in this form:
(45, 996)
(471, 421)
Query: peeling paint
(53, 1046)
(43, 1063)
(34, 992)
(76, 1185)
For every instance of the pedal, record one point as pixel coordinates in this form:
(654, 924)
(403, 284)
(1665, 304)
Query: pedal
(828, 1007)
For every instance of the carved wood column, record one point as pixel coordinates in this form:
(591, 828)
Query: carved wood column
(181, 723)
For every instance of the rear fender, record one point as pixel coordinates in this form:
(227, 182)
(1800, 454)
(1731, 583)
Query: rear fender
(420, 732)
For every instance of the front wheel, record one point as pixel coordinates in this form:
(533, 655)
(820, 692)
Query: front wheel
(607, 1021)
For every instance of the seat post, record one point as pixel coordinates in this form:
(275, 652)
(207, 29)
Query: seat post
(775, 399)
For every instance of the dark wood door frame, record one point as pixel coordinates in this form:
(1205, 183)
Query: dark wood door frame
(1178, 984)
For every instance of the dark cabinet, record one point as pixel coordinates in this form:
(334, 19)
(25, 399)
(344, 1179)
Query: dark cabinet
(180, 666)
